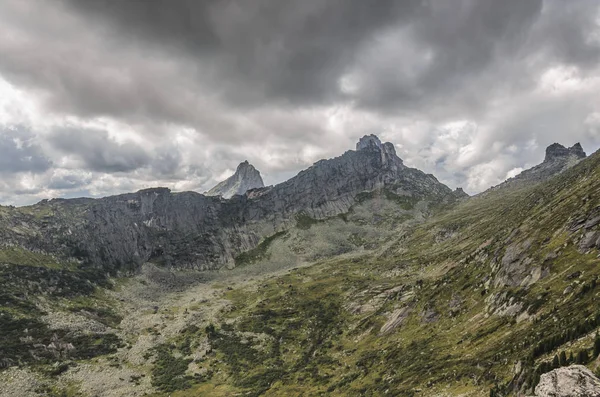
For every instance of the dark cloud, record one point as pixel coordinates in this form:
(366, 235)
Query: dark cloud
(402, 57)
(97, 151)
(180, 92)
(405, 54)
(287, 51)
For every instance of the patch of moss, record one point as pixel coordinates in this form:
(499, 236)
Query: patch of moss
(23, 257)
(304, 222)
(259, 252)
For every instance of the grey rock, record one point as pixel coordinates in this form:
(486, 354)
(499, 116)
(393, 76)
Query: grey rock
(191, 230)
(558, 151)
(429, 316)
(589, 240)
(460, 193)
(558, 159)
(246, 177)
(515, 265)
(572, 381)
(395, 320)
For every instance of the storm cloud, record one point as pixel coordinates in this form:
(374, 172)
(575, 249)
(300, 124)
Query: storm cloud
(128, 94)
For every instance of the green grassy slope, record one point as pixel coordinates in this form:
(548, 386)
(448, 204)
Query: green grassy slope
(483, 294)
(475, 300)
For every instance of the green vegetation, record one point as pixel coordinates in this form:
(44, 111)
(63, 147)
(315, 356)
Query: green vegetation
(304, 222)
(481, 298)
(21, 256)
(467, 277)
(259, 252)
(168, 373)
(26, 339)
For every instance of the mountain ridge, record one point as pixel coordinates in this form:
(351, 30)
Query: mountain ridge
(404, 295)
(191, 230)
(558, 159)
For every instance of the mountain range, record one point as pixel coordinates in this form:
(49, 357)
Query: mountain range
(358, 276)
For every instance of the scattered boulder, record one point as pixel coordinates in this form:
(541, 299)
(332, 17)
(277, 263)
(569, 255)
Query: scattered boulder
(572, 381)
(429, 316)
(395, 320)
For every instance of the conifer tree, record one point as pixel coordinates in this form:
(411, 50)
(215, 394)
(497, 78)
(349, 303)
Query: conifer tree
(555, 362)
(582, 357)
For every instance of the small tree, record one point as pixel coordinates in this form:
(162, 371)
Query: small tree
(596, 345)
(562, 359)
(582, 357)
(555, 362)
(210, 330)
(570, 361)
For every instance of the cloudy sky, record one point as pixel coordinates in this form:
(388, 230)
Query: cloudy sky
(107, 96)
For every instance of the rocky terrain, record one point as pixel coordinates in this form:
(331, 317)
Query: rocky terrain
(191, 230)
(245, 178)
(358, 277)
(558, 159)
(572, 381)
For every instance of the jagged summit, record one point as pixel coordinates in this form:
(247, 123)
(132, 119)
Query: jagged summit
(388, 152)
(460, 193)
(368, 142)
(558, 151)
(246, 177)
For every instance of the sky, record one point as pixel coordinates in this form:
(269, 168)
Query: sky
(99, 97)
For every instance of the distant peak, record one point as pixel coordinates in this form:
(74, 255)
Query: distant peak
(244, 164)
(368, 142)
(371, 143)
(577, 150)
(246, 177)
(460, 193)
(556, 151)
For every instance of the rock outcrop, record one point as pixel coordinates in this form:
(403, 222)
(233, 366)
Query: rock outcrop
(558, 159)
(572, 381)
(191, 230)
(245, 178)
(556, 151)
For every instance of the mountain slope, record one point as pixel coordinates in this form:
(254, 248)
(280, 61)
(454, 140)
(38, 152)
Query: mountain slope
(558, 159)
(245, 178)
(479, 297)
(420, 295)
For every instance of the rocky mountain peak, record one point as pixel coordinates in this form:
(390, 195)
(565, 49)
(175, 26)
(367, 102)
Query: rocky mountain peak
(368, 142)
(460, 193)
(558, 159)
(246, 177)
(558, 151)
(388, 152)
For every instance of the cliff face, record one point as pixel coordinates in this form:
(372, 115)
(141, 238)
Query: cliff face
(192, 230)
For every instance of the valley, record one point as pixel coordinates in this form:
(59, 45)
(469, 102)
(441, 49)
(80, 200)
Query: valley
(427, 293)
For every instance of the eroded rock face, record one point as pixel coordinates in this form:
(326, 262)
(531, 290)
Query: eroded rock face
(246, 177)
(572, 381)
(557, 151)
(191, 230)
(395, 320)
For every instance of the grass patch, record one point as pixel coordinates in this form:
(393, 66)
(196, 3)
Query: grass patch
(258, 253)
